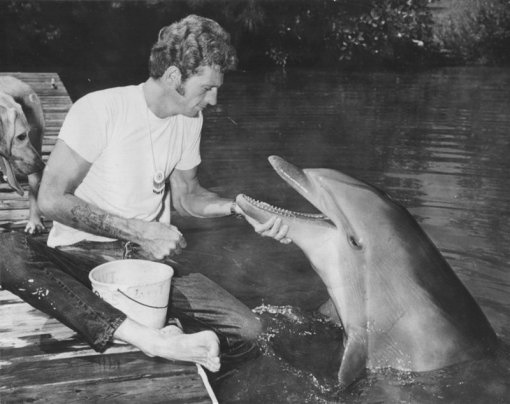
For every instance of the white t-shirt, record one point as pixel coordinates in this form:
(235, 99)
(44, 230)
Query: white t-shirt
(110, 129)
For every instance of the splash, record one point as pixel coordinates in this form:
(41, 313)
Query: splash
(307, 348)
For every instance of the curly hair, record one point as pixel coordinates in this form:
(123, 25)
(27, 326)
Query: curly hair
(189, 44)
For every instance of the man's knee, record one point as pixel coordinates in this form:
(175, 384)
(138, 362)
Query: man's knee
(250, 328)
(241, 343)
(197, 297)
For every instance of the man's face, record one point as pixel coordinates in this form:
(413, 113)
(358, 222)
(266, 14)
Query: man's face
(200, 90)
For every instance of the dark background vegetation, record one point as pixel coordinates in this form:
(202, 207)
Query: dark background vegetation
(96, 43)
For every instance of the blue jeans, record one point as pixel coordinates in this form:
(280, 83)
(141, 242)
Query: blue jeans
(56, 282)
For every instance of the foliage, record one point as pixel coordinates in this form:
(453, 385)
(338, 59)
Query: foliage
(104, 35)
(480, 33)
(380, 32)
(393, 30)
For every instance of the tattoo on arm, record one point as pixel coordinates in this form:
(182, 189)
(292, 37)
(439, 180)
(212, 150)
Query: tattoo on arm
(95, 222)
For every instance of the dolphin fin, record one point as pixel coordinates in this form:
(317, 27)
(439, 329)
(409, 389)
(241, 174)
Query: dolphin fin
(354, 360)
(328, 310)
(6, 167)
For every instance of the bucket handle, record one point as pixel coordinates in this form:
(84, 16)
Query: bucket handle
(143, 304)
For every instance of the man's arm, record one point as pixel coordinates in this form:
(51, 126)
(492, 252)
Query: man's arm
(191, 199)
(64, 171)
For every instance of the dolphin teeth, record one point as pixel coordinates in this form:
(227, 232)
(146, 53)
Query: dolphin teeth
(284, 212)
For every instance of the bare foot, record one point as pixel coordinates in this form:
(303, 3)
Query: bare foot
(171, 343)
(201, 347)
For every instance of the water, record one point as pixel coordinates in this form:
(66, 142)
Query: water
(437, 141)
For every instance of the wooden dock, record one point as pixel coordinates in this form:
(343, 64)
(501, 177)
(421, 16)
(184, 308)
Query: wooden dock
(41, 360)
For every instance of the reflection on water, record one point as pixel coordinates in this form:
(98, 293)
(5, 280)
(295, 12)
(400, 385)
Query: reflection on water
(438, 142)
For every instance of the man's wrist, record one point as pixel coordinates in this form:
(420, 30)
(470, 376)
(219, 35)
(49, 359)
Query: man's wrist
(136, 230)
(234, 210)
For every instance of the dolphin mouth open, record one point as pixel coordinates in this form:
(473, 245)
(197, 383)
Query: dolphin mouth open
(275, 210)
(263, 211)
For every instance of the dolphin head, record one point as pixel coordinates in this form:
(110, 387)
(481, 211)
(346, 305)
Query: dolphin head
(349, 245)
(398, 300)
(354, 216)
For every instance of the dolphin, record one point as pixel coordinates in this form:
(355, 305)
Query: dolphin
(397, 299)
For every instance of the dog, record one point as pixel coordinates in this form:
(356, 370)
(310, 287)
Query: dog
(21, 134)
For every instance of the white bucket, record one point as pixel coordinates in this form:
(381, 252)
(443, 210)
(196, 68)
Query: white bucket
(139, 288)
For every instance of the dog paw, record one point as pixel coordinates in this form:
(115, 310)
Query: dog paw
(34, 227)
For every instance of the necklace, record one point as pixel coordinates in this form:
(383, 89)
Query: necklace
(158, 179)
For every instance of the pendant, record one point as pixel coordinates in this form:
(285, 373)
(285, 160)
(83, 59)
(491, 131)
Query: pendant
(158, 182)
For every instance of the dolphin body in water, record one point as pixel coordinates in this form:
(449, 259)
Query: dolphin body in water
(399, 302)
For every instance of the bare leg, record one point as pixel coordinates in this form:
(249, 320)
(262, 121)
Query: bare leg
(171, 343)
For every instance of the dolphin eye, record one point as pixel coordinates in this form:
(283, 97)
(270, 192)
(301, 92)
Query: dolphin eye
(354, 243)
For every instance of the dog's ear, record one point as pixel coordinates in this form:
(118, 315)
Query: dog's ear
(10, 175)
(7, 121)
(4, 128)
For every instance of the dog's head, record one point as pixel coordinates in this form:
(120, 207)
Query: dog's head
(17, 155)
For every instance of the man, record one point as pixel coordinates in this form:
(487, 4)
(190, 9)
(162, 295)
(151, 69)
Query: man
(103, 187)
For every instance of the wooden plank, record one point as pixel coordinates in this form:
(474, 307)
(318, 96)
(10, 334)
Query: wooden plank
(13, 215)
(42, 82)
(174, 389)
(21, 323)
(90, 369)
(13, 204)
(49, 141)
(6, 192)
(7, 297)
(41, 360)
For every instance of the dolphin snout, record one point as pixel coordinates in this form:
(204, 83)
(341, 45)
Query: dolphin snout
(293, 175)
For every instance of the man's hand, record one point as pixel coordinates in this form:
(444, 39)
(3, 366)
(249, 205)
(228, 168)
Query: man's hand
(161, 240)
(274, 227)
